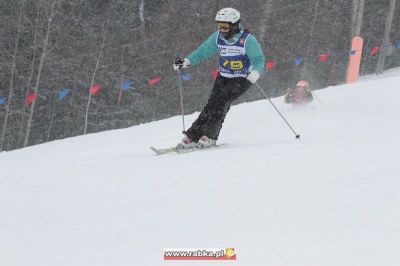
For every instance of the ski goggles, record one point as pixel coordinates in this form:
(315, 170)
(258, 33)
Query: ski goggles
(223, 27)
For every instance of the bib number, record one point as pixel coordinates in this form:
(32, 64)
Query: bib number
(234, 65)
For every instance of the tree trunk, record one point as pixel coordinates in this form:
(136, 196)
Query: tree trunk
(52, 117)
(42, 58)
(386, 38)
(142, 25)
(304, 70)
(32, 72)
(267, 11)
(94, 75)
(13, 69)
(357, 17)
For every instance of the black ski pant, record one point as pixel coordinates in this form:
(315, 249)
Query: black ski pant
(224, 92)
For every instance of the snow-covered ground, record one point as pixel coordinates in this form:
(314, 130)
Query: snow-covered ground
(332, 198)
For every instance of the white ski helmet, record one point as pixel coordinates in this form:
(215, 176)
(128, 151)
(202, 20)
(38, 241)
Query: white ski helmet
(228, 14)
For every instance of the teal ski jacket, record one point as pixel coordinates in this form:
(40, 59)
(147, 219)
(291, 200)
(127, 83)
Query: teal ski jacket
(209, 48)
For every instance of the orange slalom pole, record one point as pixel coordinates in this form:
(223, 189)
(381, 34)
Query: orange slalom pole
(353, 71)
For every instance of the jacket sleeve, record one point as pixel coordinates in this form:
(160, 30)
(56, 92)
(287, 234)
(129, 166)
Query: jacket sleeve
(289, 96)
(309, 97)
(205, 51)
(255, 54)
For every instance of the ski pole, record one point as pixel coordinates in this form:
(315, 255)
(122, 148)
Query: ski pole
(181, 94)
(284, 119)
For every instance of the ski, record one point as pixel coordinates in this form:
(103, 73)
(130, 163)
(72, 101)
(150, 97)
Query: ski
(163, 151)
(179, 151)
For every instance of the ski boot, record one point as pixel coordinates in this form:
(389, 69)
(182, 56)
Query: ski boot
(205, 142)
(187, 143)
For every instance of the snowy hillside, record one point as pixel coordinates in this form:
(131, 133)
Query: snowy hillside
(330, 199)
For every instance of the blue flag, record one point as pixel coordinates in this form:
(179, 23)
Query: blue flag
(298, 60)
(397, 45)
(3, 100)
(62, 93)
(125, 86)
(186, 76)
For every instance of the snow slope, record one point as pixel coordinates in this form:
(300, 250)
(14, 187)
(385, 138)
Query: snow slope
(332, 198)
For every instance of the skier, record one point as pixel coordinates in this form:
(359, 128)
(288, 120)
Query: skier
(299, 96)
(241, 63)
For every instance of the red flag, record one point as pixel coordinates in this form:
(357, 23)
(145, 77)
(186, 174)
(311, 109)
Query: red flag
(154, 81)
(375, 50)
(324, 57)
(215, 73)
(95, 89)
(30, 98)
(271, 65)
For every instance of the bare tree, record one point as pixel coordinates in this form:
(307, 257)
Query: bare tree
(312, 32)
(142, 24)
(266, 11)
(95, 72)
(13, 70)
(357, 17)
(52, 116)
(386, 37)
(40, 68)
(32, 69)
